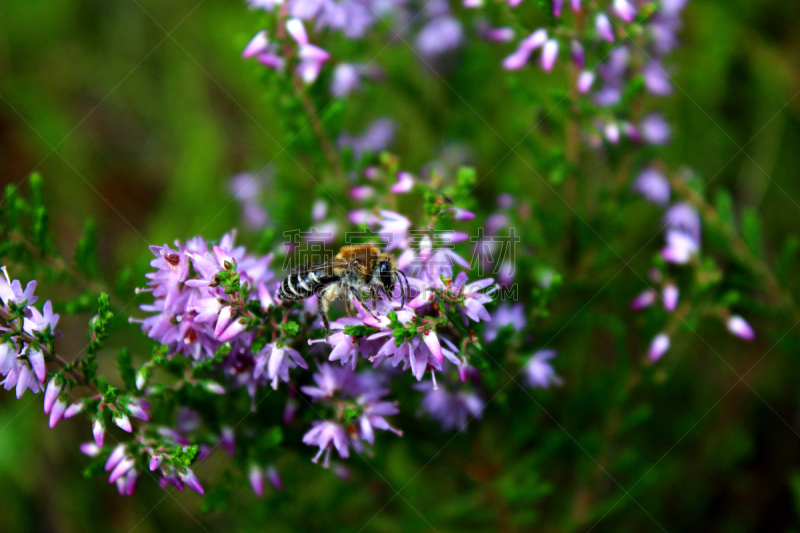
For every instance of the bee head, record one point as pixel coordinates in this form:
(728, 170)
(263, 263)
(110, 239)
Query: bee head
(387, 275)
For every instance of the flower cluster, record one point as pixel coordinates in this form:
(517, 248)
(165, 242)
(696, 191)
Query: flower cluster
(683, 232)
(28, 335)
(354, 402)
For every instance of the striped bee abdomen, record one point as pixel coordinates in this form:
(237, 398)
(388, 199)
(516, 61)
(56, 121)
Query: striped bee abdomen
(304, 284)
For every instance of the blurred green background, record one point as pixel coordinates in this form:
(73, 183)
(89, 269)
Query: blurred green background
(137, 113)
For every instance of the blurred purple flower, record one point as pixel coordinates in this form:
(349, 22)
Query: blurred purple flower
(739, 327)
(505, 315)
(654, 129)
(452, 410)
(539, 373)
(378, 136)
(439, 36)
(658, 347)
(653, 185)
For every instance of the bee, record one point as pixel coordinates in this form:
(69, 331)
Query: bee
(355, 270)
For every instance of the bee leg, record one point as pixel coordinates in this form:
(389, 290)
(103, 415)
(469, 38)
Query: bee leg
(407, 290)
(360, 298)
(374, 293)
(322, 309)
(348, 303)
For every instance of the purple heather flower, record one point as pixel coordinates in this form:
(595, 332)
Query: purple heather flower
(39, 322)
(274, 477)
(319, 210)
(680, 247)
(127, 485)
(246, 189)
(346, 79)
(549, 54)
(121, 469)
(603, 27)
(585, 81)
(57, 412)
(327, 435)
(502, 34)
(393, 230)
(272, 58)
(611, 132)
(519, 58)
(505, 315)
(123, 422)
(654, 129)
(670, 295)
(684, 217)
(311, 57)
(452, 410)
(50, 394)
(738, 326)
(277, 360)
(474, 299)
(461, 215)
(257, 45)
(405, 182)
(330, 380)
(578, 55)
(472, 4)
(115, 457)
(191, 481)
(539, 373)
(576, 5)
(89, 449)
(625, 10)
(439, 36)
(658, 347)
(656, 79)
(643, 300)
(266, 5)
(378, 136)
(256, 477)
(558, 5)
(11, 291)
(653, 185)
(362, 192)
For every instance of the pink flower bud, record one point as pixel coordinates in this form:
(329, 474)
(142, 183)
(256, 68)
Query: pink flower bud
(585, 81)
(51, 395)
(123, 422)
(256, 477)
(549, 54)
(99, 431)
(625, 10)
(57, 412)
(643, 300)
(121, 469)
(274, 478)
(115, 457)
(603, 27)
(670, 295)
(191, 481)
(658, 347)
(739, 327)
(155, 461)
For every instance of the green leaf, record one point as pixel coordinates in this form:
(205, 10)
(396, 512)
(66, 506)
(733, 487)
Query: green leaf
(788, 258)
(751, 232)
(86, 258)
(724, 205)
(125, 367)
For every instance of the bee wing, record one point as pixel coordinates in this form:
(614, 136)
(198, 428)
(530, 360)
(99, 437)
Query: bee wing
(315, 266)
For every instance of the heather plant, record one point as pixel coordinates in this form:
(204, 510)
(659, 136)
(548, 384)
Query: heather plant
(209, 360)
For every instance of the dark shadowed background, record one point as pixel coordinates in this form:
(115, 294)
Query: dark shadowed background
(137, 112)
